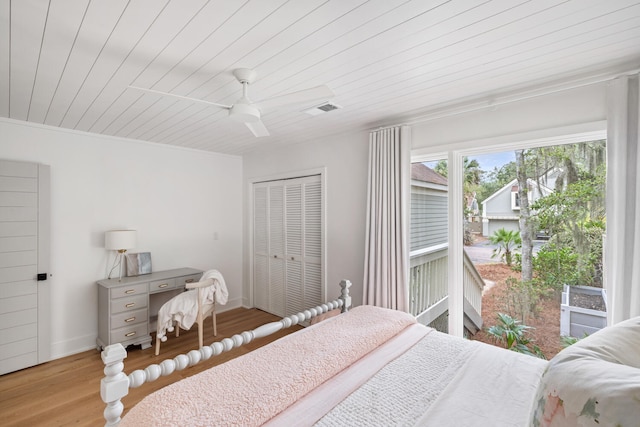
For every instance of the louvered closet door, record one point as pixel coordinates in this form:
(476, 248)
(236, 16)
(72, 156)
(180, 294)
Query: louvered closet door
(24, 234)
(313, 279)
(276, 250)
(303, 243)
(287, 267)
(293, 257)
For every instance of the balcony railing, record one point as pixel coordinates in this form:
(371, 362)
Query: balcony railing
(429, 287)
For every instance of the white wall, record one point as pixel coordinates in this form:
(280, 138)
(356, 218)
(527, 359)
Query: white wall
(555, 114)
(176, 199)
(346, 161)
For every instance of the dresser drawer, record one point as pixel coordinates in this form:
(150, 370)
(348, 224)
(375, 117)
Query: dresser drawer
(140, 288)
(129, 333)
(181, 281)
(128, 304)
(162, 285)
(129, 318)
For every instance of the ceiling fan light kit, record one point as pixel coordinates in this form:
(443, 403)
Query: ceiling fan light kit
(245, 111)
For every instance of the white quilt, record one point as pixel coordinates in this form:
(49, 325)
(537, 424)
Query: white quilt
(438, 380)
(369, 367)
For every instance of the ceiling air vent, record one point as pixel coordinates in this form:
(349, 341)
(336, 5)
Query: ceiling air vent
(325, 107)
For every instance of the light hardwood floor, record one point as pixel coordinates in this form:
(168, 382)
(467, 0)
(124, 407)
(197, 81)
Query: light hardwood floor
(65, 391)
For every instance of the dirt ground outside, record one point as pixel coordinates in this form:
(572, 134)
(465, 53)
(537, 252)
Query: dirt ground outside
(546, 322)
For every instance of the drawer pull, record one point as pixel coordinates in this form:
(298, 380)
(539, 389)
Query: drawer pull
(130, 334)
(131, 304)
(189, 281)
(130, 291)
(130, 319)
(164, 285)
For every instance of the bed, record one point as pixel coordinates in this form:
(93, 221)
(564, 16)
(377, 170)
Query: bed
(372, 366)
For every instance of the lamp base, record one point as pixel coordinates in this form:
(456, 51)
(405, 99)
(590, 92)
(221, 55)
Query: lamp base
(117, 262)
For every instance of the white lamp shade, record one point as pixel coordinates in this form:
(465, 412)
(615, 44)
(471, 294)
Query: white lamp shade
(120, 239)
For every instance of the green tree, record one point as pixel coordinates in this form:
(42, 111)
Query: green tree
(525, 222)
(574, 213)
(472, 176)
(470, 169)
(574, 222)
(496, 179)
(441, 168)
(507, 241)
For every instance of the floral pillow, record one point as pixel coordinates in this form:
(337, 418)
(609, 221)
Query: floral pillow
(595, 382)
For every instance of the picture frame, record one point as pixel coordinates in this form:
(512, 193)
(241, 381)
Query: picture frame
(138, 263)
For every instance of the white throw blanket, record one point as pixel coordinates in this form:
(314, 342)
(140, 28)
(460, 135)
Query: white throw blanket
(183, 308)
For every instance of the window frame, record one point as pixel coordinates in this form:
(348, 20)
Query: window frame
(515, 201)
(455, 156)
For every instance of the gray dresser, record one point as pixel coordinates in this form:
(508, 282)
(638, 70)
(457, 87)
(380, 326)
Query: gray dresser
(125, 307)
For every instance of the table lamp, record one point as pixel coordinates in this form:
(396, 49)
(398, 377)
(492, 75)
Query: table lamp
(120, 241)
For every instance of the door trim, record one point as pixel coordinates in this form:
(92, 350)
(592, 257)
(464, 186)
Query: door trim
(44, 286)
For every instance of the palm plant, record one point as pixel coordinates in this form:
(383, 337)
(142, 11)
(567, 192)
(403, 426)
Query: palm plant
(512, 334)
(507, 241)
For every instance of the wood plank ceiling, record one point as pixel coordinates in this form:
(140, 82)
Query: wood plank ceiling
(69, 63)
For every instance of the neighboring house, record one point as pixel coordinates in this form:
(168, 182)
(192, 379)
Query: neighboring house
(428, 207)
(502, 208)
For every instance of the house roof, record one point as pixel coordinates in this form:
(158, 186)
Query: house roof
(421, 172)
(70, 64)
(513, 186)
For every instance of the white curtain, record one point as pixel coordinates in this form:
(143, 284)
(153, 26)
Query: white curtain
(622, 248)
(386, 262)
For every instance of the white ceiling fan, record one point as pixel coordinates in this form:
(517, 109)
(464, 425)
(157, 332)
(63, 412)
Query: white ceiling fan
(245, 111)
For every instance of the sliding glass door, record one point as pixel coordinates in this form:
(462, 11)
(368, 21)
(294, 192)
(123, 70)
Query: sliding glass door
(525, 234)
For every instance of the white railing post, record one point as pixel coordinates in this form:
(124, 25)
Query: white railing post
(115, 385)
(344, 295)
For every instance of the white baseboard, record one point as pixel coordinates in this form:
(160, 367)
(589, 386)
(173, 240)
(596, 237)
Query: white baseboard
(73, 346)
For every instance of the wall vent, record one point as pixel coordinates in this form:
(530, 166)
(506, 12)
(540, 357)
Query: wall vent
(325, 107)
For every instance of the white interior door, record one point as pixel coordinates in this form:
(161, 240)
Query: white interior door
(24, 262)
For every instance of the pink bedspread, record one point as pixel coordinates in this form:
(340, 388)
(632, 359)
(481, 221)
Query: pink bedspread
(252, 389)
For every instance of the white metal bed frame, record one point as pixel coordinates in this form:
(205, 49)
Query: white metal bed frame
(115, 384)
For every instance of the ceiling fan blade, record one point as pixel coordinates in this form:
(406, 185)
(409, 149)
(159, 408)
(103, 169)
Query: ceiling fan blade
(186, 98)
(306, 96)
(257, 128)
